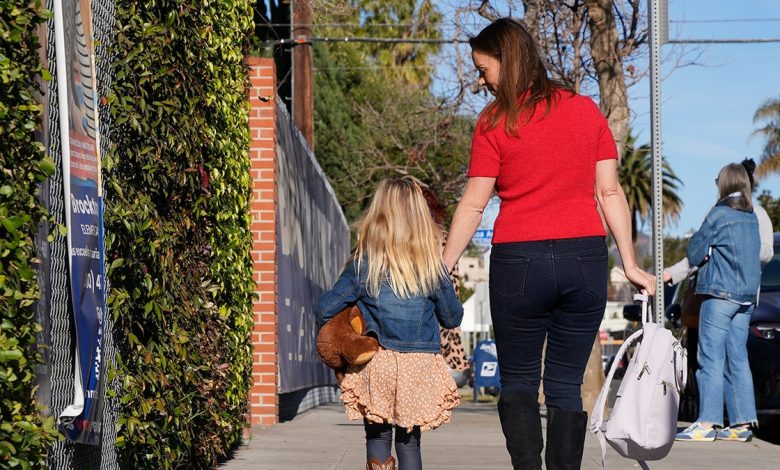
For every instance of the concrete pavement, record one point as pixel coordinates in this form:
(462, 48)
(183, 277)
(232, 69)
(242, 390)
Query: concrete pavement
(324, 439)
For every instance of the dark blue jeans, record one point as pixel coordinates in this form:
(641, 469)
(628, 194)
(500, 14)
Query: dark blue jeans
(555, 289)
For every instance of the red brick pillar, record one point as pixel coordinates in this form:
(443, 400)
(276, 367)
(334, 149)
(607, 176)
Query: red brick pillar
(263, 397)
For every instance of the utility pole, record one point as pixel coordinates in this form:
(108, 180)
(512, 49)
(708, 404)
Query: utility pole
(303, 88)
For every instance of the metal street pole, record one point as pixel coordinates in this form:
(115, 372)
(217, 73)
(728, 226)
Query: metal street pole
(658, 14)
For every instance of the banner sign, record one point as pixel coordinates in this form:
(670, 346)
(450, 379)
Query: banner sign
(82, 420)
(313, 247)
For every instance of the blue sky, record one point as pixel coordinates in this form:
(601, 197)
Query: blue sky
(707, 112)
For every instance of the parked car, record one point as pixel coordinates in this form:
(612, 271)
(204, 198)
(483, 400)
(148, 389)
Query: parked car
(763, 344)
(764, 338)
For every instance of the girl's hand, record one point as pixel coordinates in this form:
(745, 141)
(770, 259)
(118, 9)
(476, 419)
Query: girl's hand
(641, 280)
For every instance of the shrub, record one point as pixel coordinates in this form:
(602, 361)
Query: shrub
(177, 224)
(25, 432)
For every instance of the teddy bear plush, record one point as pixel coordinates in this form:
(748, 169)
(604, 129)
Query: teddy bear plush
(342, 341)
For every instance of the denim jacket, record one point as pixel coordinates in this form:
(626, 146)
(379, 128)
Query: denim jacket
(405, 325)
(730, 238)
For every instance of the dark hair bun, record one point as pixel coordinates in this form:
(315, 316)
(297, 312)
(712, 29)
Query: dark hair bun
(749, 165)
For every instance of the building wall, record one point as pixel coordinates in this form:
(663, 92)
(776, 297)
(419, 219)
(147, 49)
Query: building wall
(472, 269)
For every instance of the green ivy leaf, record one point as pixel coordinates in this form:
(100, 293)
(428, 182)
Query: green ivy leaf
(10, 355)
(47, 166)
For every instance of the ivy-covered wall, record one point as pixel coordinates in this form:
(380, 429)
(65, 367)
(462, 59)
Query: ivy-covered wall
(177, 224)
(25, 432)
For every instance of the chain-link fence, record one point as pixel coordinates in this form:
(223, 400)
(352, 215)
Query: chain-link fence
(55, 311)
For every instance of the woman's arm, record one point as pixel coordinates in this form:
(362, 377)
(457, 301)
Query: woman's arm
(467, 218)
(614, 206)
(677, 272)
(765, 232)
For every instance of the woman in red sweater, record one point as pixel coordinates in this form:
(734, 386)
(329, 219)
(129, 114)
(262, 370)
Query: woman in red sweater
(551, 157)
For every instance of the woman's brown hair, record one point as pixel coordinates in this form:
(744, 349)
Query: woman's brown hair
(522, 73)
(734, 187)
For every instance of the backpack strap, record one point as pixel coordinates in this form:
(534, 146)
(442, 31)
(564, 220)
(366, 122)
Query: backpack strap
(597, 417)
(647, 312)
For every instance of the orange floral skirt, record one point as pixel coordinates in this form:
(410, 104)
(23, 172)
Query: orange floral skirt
(405, 389)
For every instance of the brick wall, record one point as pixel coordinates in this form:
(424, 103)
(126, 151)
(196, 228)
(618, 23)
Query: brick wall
(263, 397)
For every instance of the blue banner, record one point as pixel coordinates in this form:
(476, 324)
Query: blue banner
(82, 420)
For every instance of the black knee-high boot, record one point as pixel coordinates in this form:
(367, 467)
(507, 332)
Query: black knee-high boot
(522, 426)
(565, 439)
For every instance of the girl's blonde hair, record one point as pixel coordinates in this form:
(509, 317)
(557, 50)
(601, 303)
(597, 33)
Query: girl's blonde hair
(400, 241)
(733, 178)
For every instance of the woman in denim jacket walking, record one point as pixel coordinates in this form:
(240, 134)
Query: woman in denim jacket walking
(398, 280)
(727, 247)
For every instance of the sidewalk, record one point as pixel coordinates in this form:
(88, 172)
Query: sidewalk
(323, 439)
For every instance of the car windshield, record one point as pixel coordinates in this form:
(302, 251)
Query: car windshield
(770, 277)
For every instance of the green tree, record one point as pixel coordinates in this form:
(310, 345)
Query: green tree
(769, 115)
(636, 177)
(412, 19)
(368, 127)
(375, 115)
(674, 249)
(464, 293)
(772, 207)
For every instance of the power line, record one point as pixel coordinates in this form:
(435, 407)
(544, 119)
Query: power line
(451, 26)
(358, 25)
(729, 20)
(723, 41)
(311, 40)
(376, 67)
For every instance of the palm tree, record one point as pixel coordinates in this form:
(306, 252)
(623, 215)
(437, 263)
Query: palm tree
(769, 113)
(636, 177)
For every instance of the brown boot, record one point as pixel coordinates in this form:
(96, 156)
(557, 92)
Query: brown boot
(373, 464)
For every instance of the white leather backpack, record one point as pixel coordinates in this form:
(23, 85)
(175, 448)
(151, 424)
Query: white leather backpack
(643, 421)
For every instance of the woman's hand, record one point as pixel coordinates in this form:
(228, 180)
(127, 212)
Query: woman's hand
(667, 276)
(467, 218)
(641, 279)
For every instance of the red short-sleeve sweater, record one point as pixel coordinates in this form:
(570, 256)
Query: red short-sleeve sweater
(546, 175)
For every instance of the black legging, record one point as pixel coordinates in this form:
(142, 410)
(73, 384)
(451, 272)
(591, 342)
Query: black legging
(379, 442)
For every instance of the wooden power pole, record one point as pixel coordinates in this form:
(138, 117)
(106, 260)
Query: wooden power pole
(303, 89)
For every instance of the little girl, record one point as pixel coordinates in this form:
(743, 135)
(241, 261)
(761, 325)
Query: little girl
(397, 279)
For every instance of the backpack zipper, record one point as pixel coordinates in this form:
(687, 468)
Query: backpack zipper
(645, 368)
